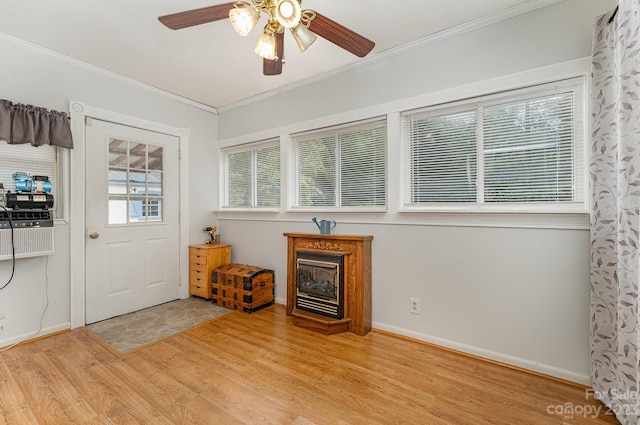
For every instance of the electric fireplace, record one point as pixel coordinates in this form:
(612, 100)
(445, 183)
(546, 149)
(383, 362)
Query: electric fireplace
(329, 282)
(320, 283)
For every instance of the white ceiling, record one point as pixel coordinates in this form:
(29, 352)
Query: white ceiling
(210, 63)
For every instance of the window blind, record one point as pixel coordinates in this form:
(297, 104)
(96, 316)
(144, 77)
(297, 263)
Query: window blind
(363, 167)
(239, 179)
(317, 172)
(268, 177)
(521, 147)
(253, 176)
(442, 157)
(529, 149)
(343, 166)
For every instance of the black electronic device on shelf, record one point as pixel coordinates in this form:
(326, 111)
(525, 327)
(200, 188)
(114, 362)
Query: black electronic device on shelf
(24, 219)
(30, 205)
(30, 201)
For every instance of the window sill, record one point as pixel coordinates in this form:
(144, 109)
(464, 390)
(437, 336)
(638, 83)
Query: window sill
(340, 210)
(566, 220)
(575, 220)
(248, 210)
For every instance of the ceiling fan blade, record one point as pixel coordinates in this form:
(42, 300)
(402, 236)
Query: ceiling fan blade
(341, 35)
(274, 67)
(193, 17)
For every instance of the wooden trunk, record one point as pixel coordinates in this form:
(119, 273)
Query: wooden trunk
(242, 287)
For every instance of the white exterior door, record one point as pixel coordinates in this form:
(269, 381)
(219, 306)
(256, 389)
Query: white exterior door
(132, 219)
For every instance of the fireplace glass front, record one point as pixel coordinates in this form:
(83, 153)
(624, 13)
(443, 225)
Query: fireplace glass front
(319, 282)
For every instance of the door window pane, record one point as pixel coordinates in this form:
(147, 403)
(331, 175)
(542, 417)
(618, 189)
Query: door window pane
(117, 181)
(117, 210)
(118, 153)
(155, 157)
(135, 209)
(152, 210)
(154, 183)
(137, 183)
(137, 155)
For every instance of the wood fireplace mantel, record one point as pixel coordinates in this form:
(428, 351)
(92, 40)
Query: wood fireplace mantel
(356, 252)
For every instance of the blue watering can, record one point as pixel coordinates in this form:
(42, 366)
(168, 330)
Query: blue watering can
(325, 226)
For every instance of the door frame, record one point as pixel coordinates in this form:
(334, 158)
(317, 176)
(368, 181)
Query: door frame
(79, 112)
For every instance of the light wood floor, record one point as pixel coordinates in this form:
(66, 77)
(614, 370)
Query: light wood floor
(259, 368)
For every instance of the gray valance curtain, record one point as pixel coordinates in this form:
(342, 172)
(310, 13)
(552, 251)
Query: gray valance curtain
(30, 124)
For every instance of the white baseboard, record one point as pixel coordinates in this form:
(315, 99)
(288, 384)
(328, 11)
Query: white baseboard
(490, 355)
(32, 335)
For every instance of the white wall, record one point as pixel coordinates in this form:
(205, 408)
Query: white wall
(516, 294)
(554, 34)
(38, 77)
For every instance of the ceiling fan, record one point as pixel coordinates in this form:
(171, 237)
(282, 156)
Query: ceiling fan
(303, 24)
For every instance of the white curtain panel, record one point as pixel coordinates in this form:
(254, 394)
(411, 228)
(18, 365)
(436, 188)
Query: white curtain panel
(615, 211)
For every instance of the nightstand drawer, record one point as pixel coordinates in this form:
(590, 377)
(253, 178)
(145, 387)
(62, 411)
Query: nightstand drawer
(200, 291)
(200, 267)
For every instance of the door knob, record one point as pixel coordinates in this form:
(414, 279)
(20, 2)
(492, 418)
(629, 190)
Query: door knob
(94, 235)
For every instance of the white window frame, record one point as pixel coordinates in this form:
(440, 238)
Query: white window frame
(332, 131)
(397, 213)
(151, 208)
(224, 175)
(577, 85)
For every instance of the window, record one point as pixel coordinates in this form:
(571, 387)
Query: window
(343, 167)
(515, 149)
(253, 176)
(31, 160)
(135, 182)
(151, 209)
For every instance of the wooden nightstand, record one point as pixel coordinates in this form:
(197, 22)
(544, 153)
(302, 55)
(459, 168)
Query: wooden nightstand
(202, 260)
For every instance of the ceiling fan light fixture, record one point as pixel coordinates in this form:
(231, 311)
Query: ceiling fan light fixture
(303, 36)
(288, 13)
(243, 17)
(266, 46)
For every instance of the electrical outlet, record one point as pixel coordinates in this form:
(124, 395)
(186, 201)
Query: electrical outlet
(414, 305)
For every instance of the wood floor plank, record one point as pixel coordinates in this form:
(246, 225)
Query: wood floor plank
(260, 368)
(287, 394)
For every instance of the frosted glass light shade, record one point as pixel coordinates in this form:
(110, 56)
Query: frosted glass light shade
(266, 46)
(288, 13)
(243, 18)
(303, 36)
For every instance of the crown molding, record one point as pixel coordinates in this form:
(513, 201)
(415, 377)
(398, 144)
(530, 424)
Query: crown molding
(519, 9)
(130, 81)
(512, 12)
